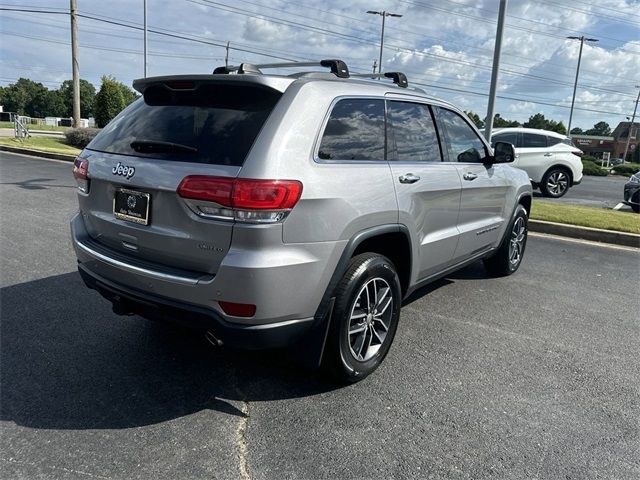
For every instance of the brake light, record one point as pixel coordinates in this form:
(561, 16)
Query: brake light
(81, 173)
(244, 199)
(238, 309)
(578, 153)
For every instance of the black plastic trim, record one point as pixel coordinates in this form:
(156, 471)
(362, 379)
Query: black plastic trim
(128, 301)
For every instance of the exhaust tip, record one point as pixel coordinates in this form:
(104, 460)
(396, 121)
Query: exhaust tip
(212, 339)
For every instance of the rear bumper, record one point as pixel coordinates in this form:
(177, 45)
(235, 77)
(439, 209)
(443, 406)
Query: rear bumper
(285, 282)
(153, 307)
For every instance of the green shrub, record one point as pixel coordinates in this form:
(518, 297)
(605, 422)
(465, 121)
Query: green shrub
(627, 169)
(589, 159)
(80, 137)
(590, 168)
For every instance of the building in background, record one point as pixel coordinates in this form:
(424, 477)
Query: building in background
(595, 146)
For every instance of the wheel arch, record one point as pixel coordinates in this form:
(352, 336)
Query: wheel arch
(381, 239)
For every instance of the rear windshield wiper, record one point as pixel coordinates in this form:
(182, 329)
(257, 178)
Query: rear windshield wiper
(154, 146)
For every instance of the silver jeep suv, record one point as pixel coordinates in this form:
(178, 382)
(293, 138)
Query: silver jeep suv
(275, 210)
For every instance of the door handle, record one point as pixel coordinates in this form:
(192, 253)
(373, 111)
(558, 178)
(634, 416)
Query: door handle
(469, 176)
(548, 154)
(409, 178)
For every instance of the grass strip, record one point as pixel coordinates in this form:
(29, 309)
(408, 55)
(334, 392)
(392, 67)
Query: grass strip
(42, 144)
(586, 216)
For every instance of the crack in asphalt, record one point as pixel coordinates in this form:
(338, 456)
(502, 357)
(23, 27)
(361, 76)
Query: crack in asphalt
(241, 441)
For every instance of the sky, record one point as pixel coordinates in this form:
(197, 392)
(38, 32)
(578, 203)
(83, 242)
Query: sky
(444, 47)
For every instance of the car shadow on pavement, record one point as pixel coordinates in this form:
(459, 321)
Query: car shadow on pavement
(67, 362)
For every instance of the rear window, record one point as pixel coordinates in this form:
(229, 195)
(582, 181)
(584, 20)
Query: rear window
(214, 124)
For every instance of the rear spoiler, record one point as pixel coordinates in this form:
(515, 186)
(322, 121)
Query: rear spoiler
(190, 82)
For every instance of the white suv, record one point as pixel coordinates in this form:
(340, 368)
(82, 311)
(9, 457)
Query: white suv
(552, 162)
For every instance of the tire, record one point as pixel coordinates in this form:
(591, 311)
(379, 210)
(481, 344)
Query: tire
(555, 183)
(359, 337)
(635, 208)
(508, 257)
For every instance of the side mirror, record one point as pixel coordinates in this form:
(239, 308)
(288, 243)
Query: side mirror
(503, 152)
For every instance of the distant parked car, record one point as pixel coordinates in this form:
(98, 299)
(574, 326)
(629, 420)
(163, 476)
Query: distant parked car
(615, 161)
(550, 159)
(632, 192)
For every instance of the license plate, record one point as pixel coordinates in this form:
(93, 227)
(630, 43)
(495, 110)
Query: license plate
(131, 206)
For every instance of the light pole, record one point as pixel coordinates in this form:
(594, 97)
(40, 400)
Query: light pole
(496, 69)
(633, 117)
(575, 84)
(384, 14)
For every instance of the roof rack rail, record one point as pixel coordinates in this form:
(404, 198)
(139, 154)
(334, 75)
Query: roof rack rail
(398, 78)
(338, 67)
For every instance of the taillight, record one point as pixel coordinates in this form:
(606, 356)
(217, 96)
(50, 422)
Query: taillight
(578, 153)
(243, 199)
(81, 173)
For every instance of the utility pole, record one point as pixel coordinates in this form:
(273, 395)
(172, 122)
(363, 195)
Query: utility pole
(375, 64)
(633, 117)
(575, 84)
(145, 38)
(74, 62)
(226, 55)
(384, 14)
(488, 126)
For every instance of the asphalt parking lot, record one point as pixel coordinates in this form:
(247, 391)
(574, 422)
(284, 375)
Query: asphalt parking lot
(600, 192)
(532, 376)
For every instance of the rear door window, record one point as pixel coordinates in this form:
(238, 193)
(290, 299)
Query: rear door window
(553, 141)
(414, 133)
(533, 140)
(213, 123)
(355, 131)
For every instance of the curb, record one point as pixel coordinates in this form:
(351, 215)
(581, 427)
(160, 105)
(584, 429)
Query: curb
(38, 153)
(585, 233)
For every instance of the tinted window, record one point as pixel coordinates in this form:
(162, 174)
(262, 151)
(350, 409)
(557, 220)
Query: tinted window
(509, 137)
(211, 124)
(355, 131)
(462, 142)
(414, 132)
(553, 141)
(531, 140)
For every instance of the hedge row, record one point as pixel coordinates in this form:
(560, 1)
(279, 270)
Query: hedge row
(80, 137)
(591, 168)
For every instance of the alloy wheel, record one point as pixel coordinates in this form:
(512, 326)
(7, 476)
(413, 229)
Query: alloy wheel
(557, 183)
(370, 319)
(516, 245)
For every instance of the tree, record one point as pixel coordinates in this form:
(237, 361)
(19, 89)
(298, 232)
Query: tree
(87, 98)
(577, 131)
(109, 101)
(127, 94)
(538, 121)
(601, 129)
(499, 122)
(18, 96)
(475, 118)
(46, 103)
